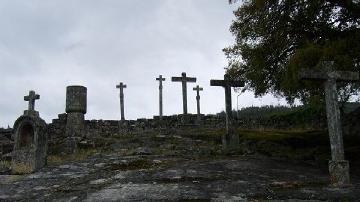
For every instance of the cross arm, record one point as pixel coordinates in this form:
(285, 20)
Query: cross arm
(312, 74)
(225, 83)
(176, 79)
(191, 79)
(187, 79)
(200, 89)
(217, 83)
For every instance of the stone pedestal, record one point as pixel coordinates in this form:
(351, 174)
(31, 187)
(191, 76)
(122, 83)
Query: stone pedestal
(75, 124)
(30, 148)
(339, 173)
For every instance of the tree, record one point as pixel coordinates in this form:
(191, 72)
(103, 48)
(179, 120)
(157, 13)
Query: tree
(276, 38)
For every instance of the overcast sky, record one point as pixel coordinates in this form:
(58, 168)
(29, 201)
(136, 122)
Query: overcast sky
(46, 45)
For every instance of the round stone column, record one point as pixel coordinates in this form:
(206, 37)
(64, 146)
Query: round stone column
(76, 109)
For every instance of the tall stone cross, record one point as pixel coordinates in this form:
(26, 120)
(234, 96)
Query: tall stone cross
(160, 79)
(183, 79)
(31, 99)
(338, 166)
(198, 89)
(230, 139)
(121, 86)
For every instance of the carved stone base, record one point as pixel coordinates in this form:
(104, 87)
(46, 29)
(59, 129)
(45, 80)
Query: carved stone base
(339, 173)
(230, 140)
(31, 113)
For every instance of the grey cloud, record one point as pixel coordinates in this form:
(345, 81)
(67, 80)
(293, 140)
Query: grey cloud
(47, 45)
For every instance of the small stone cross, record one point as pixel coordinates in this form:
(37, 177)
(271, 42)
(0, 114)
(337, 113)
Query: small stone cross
(121, 86)
(338, 166)
(231, 139)
(198, 89)
(31, 99)
(184, 80)
(160, 79)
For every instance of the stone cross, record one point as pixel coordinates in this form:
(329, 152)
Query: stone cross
(338, 166)
(31, 99)
(231, 139)
(183, 79)
(121, 86)
(198, 89)
(160, 79)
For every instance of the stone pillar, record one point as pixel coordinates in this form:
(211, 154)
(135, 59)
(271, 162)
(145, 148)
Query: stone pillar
(198, 89)
(184, 96)
(122, 104)
(76, 103)
(338, 167)
(231, 139)
(184, 79)
(198, 113)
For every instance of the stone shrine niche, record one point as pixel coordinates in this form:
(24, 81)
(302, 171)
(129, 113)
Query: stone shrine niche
(30, 148)
(26, 136)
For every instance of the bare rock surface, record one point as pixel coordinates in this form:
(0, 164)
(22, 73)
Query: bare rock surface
(174, 171)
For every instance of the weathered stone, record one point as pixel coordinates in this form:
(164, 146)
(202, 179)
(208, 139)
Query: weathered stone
(121, 86)
(160, 79)
(31, 107)
(338, 168)
(76, 103)
(339, 173)
(198, 89)
(184, 80)
(30, 149)
(230, 139)
(76, 99)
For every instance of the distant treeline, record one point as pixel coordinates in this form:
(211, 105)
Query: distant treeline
(263, 112)
(295, 114)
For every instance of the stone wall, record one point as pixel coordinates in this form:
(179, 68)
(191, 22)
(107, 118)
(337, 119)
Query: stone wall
(106, 128)
(6, 142)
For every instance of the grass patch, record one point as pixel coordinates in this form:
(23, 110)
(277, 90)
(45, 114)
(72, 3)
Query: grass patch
(296, 139)
(5, 164)
(206, 134)
(21, 168)
(79, 155)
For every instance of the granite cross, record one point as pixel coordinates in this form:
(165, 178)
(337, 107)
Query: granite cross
(198, 89)
(160, 79)
(31, 99)
(230, 139)
(121, 86)
(338, 166)
(183, 79)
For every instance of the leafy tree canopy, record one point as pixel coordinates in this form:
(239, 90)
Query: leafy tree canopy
(276, 38)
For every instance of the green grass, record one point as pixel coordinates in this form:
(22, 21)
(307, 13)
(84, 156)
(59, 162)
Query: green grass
(79, 155)
(5, 164)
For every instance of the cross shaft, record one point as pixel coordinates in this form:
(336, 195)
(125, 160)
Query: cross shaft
(121, 86)
(160, 79)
